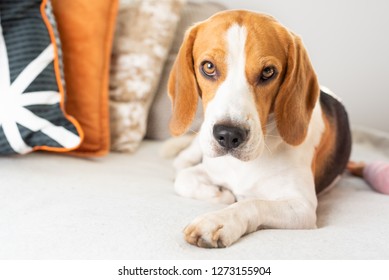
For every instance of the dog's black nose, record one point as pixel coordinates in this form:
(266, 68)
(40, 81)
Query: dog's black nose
(229, 137)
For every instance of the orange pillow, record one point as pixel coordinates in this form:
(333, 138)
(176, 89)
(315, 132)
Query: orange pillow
(86, 30)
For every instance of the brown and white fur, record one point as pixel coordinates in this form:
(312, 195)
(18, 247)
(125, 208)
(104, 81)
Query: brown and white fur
(292, 139)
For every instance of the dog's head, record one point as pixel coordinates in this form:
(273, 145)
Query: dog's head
(245, 67)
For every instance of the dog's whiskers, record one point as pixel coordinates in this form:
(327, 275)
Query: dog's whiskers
(195, 132)
(267, 147)
(270, 126)
(270, 123)
(277, 136)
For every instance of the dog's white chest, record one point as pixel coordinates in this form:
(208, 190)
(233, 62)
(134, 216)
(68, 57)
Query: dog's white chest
(279, 172)
(244, 179)
(228, 173)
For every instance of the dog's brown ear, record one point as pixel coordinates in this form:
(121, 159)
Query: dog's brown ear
(297, 95)
(182, 87)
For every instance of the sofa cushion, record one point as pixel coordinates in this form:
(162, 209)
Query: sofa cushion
(124, 207)
(31, 91)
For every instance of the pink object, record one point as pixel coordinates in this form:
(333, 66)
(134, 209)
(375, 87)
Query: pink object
(377, 175)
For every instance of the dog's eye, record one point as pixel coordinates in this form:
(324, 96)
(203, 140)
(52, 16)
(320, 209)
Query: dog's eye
(208, 68)
(267, 73)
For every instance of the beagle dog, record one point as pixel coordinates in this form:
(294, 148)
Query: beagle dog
(271, 139)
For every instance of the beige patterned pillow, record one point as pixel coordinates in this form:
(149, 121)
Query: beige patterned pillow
(145, 32)
(161, 109)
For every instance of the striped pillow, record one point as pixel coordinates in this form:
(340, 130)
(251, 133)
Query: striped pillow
(31, 91)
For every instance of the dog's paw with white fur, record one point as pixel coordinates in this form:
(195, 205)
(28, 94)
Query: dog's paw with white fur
(213, 230)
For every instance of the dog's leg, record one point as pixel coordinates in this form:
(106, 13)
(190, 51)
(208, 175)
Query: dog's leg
(224, 227)
(188, 157)
(193, 182)
(175, 145)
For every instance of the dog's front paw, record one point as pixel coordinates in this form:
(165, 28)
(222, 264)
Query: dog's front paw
(213, 230)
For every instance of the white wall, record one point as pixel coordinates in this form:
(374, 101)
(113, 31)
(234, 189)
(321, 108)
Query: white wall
(349, 47)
